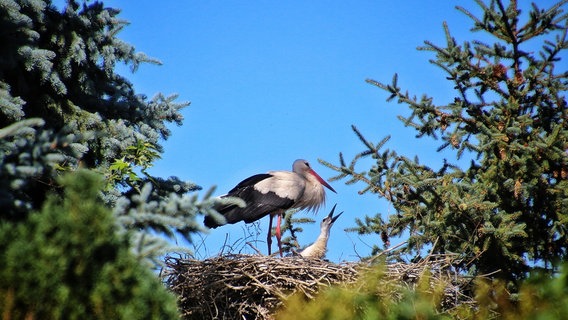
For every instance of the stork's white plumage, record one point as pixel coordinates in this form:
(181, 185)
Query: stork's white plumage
(318, 249)
(272, 194)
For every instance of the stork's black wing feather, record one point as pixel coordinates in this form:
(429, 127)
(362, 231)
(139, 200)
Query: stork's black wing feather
(248, 182)
(258, 204)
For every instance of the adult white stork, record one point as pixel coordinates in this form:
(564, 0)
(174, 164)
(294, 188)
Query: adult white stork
(272, 194)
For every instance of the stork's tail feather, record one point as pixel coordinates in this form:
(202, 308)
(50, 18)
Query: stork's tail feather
(211, 222)
(228, 212)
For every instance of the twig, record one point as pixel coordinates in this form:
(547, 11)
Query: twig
(387, 251)
(253, 247)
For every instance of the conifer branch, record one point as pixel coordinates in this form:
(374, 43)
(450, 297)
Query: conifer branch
(510, 120)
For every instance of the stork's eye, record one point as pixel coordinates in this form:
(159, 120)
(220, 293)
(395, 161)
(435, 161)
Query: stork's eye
(307, 164)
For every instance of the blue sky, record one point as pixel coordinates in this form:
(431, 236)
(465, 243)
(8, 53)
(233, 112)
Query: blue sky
(270, 82)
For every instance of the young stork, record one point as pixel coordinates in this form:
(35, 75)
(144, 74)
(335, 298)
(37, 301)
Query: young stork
(272, 194)
(318, 249)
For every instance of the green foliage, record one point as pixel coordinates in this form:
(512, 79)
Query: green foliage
(375, 296)
(63, 106)
(29, 159)
(67, 261)
(509, 208)
(540, 297)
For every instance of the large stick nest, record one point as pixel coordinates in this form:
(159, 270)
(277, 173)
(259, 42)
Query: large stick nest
(254, 286)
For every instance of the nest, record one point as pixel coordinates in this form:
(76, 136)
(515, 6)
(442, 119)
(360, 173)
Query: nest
(247, 286)
(254, 286)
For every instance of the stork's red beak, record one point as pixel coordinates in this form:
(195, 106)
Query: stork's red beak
(321, 180)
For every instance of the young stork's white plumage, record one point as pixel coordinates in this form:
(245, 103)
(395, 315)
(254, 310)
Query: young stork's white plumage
(318, 249)
(272, 194)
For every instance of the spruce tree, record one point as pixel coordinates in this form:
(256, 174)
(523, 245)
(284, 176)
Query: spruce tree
(508, 210)
(67, 261)
(63, 106)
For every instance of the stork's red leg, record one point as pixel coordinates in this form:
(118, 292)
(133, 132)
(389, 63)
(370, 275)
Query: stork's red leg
(279, 233)
(269, 237)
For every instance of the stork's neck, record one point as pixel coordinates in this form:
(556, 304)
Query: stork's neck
(311, 179)
(313, 196)
(324, 234)
(318, 248)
